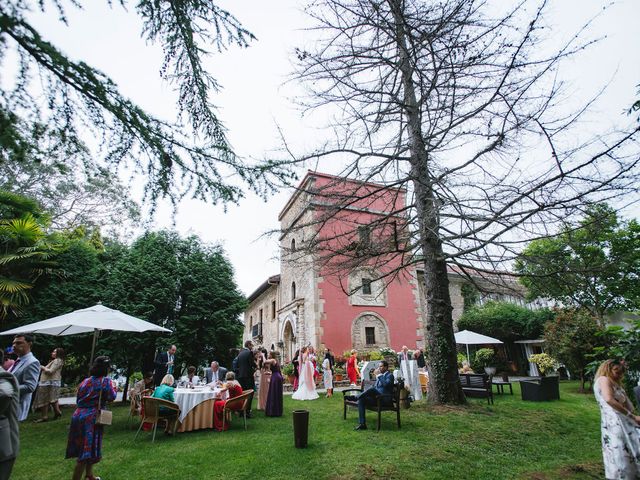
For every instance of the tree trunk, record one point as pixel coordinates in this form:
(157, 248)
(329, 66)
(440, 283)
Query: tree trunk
(444, 383)
(126, 385)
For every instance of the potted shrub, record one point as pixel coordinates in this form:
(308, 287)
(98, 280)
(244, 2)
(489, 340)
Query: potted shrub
(287, 371)
(485, 359)
(544, 362)
(338, 373)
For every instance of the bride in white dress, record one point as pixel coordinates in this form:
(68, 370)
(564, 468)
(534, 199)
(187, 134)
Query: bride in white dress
(620, 439)
(306, 384)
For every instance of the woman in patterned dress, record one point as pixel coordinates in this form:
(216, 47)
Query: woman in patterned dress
(620, 439)
(85, 437)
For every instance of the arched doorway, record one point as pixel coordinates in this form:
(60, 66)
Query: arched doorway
(288, 339)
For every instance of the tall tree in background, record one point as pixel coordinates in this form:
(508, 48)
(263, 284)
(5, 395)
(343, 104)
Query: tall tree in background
(456, 104)
(180, 284)
(209, 303)
(55, 104)
(593, 264)
(74, 192)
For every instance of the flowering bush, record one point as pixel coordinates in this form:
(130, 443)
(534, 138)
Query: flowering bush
(484, 357)
(544, 362)
(387, 352)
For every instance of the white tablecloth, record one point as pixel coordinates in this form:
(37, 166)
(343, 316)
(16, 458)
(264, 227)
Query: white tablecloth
(188, 398)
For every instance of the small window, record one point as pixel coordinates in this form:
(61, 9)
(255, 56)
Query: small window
(273, 310)
(293, 245)
(260, 315)
(366, 286)
(251, 321)
(364, 234)
(293, 291)
(370, 335)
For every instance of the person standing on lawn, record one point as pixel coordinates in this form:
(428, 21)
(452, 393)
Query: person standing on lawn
(48, 390)
(246, 368)
(352, 368)
(26, 369)
(9, 426)
(85, 437)
(619, 423)
(164, 364)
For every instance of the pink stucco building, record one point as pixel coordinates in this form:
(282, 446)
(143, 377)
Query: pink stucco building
(333, 300)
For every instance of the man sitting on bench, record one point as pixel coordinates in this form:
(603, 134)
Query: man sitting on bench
(384, 385)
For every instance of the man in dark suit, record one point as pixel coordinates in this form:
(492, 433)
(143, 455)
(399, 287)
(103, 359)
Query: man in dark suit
(164, 364)
(246, 367)
(216, 373)
(383, 386)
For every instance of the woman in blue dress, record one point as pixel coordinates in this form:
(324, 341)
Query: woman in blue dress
(85, 437)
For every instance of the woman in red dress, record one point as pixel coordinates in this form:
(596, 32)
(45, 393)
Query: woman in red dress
(234, 389)
(352, 368)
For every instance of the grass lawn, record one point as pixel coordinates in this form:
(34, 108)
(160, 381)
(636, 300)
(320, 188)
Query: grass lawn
(511, 439)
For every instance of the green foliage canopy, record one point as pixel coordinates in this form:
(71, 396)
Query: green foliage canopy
(593, 265)
(505, 321)
(570, 337)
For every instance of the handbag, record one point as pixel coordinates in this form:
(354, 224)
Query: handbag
(103, 417)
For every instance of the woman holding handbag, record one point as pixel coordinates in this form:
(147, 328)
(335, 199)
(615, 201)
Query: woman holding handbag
(85, 433)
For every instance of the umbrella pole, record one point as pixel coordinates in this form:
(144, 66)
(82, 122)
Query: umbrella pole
(93, 346)
(468, 357)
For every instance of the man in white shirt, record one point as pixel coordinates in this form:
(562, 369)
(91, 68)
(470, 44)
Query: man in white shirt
(164, 363)
(216, 373)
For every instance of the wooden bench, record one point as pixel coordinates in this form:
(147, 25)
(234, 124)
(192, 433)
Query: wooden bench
(384, 403)
(477, 385)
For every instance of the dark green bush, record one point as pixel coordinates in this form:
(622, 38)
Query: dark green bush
(505, 321)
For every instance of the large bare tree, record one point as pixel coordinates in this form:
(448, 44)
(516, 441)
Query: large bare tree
(458, 104)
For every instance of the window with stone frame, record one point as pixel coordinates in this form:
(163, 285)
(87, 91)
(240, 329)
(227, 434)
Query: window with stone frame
(273, 310)
(293, 291)
(364, 290)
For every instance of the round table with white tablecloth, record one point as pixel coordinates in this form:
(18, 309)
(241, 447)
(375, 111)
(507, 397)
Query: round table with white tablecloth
(196, 407)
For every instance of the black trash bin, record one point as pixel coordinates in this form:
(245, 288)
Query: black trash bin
(301, 427)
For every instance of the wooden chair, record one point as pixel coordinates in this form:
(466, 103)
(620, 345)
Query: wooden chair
(477, 385)
(384, 403)
(135, 402)
(151, 408)
(241, 403)
(424, 382)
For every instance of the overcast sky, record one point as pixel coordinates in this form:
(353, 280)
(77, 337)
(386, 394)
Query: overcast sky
(254, 98)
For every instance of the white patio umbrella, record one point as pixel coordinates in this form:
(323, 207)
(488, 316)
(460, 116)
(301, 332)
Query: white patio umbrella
(92, 319)
(467, 337)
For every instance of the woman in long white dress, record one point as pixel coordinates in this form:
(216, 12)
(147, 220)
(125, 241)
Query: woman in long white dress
(327, 375)
(620, 435)
(306, 383)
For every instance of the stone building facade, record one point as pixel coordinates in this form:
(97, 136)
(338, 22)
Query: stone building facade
(309, 302)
